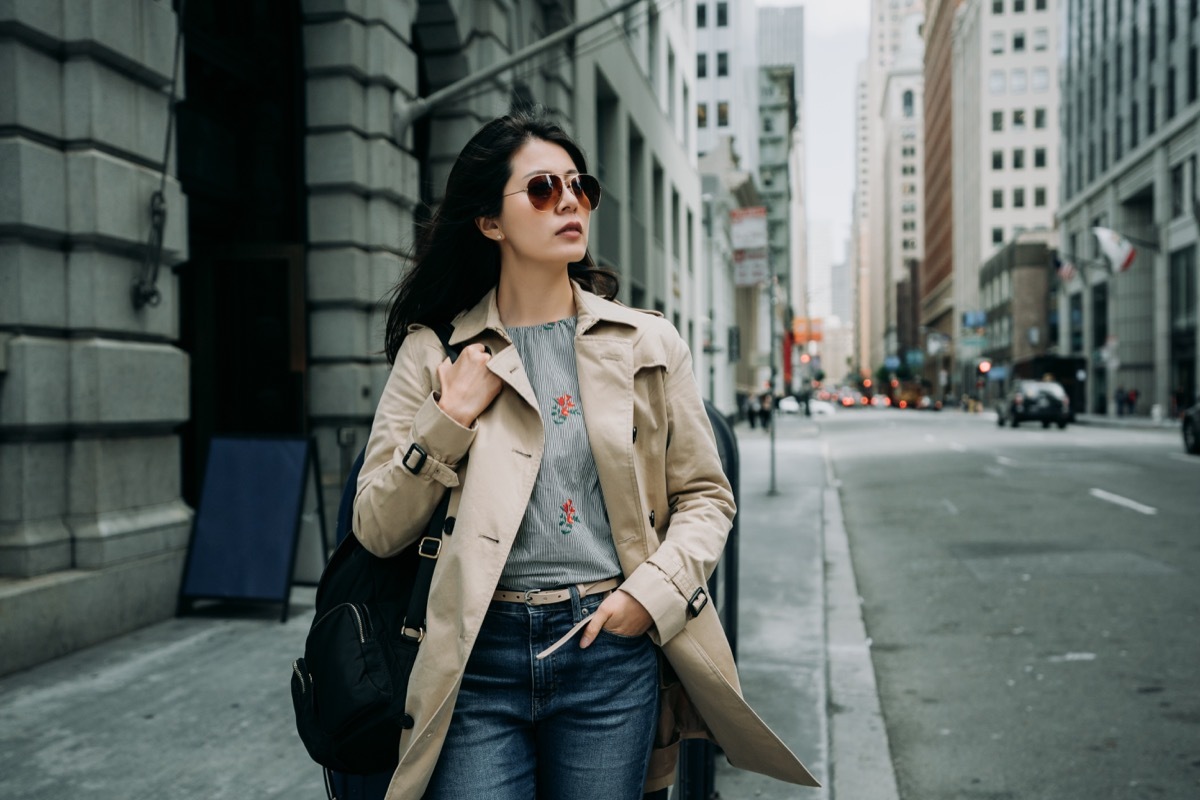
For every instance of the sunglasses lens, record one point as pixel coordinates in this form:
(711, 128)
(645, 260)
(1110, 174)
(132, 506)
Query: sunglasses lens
(544, 191)
(587, 189)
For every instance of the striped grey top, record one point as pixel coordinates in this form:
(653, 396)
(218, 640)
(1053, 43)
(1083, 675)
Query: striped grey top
(565, 537)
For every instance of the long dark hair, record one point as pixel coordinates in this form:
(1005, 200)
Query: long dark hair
(455, 264)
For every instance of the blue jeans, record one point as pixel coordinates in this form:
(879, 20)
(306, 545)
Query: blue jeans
(577, 725)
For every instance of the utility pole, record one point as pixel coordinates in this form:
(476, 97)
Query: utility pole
(774, 370)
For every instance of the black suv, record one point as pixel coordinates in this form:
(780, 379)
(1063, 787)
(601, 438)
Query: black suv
(1191, 430)
(1040, 401)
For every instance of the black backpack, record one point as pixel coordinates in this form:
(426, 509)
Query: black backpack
(349, 687)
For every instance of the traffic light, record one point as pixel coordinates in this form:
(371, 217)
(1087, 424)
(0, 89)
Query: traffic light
(984, 367)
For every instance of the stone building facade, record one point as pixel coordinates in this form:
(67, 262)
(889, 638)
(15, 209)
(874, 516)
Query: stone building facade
(290, 213)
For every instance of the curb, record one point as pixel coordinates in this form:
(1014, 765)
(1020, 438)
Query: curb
(860, 761)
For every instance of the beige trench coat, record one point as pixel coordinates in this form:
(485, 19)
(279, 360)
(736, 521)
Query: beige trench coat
(669, 518)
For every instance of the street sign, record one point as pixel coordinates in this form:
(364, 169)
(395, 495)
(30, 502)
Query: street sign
(750, 267)
(748, 228)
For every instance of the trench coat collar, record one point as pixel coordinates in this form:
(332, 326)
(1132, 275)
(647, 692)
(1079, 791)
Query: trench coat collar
(590, 309)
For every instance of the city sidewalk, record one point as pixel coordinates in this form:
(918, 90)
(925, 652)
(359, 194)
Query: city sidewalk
(199, 707)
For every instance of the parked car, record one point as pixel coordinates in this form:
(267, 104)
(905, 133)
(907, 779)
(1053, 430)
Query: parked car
(789, 405)
(1191, 430)
(1038, 401)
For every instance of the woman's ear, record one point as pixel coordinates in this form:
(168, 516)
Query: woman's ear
(489, 227)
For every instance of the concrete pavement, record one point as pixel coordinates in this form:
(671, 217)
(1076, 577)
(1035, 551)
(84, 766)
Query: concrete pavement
(199, 707)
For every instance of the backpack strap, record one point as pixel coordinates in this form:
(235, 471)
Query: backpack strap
(430, 545)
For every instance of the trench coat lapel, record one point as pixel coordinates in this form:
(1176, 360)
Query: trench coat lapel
(506, 365)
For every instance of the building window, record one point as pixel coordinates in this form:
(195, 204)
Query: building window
(1018, 119)
(768, 123)
(702, 115)
(1039, 197)
(1192, 66)
(996, 81)
(1018, 41)
(723, 114)
(1018, 198)
(909, 208)
(1171, 92)
(997, 121)
(701, 15)
(1019, 158)
(722, 15)
(1039, 118)
(1039, 157)
(1019, 82)
(1041, 39)
(997, 198)
(997, 6)
(997, 235)
(722, 65)
(997, 42)
(1152, 39)
(1018, 6)
(1178, 206)
(702, 65)
(1151, 110)
(1040, 5)
(997, 159)
(908, 169)
(910, 244)
(1041, 80)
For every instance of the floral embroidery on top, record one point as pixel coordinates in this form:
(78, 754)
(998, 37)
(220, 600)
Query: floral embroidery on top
(563, 407)
(546, 326)
(567, 517)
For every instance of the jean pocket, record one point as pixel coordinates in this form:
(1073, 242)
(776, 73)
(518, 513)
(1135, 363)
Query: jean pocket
(620, 637)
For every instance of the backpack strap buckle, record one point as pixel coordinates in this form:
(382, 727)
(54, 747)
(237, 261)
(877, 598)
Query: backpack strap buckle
(430, 547)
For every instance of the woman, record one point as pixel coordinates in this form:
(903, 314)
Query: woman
(588, 502)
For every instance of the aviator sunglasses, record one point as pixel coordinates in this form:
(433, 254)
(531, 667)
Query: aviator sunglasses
(546, 190)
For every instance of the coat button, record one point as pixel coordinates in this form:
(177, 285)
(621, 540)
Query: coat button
(635, 434)
(652, 518)
(448, 526)
(408, 722)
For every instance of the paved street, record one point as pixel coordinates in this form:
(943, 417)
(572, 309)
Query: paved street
(1033, 600)
(1031, 597)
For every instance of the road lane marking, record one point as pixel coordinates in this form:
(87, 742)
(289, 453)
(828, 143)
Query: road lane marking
(953, 509)
(1005, 461)
(1117, 499)
(958, 448)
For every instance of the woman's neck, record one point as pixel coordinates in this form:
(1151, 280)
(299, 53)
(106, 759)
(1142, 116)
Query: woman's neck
(534, 300)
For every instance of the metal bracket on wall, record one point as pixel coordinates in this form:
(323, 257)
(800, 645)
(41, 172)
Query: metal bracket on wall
(406, 112)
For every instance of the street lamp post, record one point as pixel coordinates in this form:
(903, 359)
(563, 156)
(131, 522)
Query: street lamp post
(710, 348)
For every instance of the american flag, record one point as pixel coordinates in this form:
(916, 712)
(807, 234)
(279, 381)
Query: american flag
(1066, 270)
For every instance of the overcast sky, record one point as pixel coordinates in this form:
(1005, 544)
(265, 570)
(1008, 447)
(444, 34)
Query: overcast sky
(836, 40)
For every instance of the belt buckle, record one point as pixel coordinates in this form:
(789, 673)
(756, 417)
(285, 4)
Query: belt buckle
(528, 595)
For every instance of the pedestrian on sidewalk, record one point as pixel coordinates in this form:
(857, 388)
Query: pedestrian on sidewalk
(569, 515)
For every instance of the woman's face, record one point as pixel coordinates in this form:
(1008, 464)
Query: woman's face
(556, 236)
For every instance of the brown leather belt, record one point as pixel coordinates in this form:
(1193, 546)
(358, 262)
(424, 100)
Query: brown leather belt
(544, 597)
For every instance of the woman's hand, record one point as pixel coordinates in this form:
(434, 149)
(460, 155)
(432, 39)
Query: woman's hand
(621, 614)
(468, 386)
